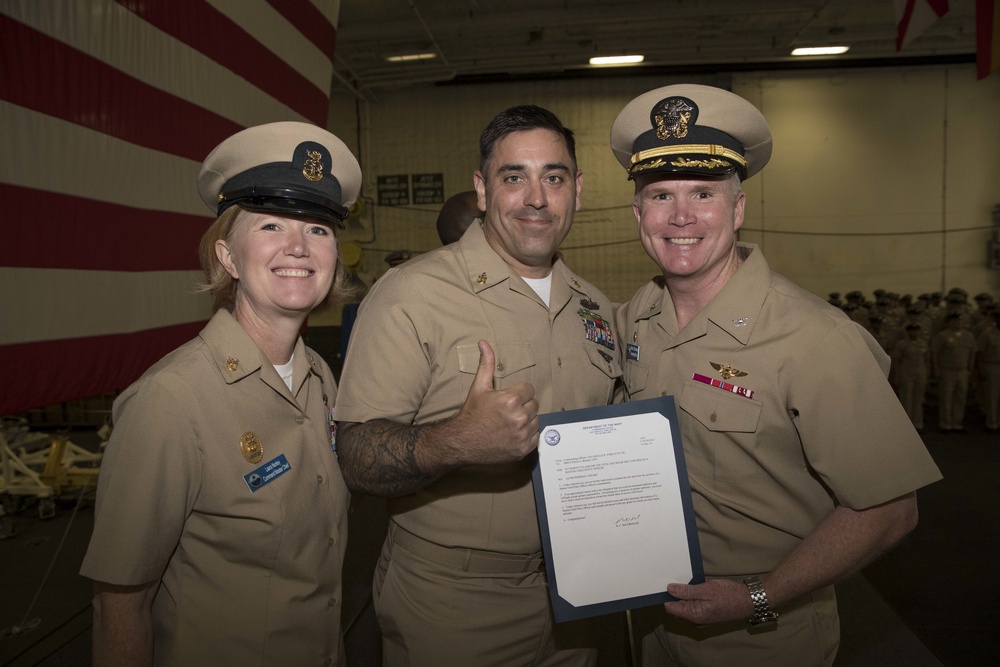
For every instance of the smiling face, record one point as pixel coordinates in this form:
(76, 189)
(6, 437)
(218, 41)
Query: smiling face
(688, 226)
(284, 266)
(529, 193)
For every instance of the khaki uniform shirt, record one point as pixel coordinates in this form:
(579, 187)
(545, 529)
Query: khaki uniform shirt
(246, 578)
(822, 428)
(988, 346)
(414, 353)
(910, 358)
(953, 350)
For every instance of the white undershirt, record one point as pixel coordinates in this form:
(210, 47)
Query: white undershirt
(285, 371)
(542, 287)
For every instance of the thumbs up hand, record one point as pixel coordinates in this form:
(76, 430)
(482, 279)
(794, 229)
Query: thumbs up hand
(495, 426)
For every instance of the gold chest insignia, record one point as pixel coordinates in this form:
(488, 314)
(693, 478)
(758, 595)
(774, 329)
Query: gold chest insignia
(727, 371)
(252, 447)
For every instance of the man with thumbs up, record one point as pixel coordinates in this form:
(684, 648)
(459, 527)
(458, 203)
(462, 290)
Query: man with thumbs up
(454, 355)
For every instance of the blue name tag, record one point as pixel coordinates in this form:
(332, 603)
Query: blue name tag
(633, 352)
(267, 473)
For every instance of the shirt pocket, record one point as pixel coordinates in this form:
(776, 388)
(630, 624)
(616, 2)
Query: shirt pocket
(514, 362)
(607, 365)
(635, 376)
(720, 439)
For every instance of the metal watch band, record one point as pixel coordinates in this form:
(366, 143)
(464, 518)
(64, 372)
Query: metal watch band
(762, 613)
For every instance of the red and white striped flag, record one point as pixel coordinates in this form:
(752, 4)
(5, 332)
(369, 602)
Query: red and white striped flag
(107, 109)
(913, 17)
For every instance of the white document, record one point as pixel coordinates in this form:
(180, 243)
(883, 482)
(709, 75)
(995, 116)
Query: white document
(615, 507)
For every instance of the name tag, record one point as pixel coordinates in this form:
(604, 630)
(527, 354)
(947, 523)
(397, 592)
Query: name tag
(633, 351)
(267, 473)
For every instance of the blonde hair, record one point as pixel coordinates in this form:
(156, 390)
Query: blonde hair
(223, 287)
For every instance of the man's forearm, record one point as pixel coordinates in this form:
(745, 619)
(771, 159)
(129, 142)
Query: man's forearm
(842, 544)
(381, 458)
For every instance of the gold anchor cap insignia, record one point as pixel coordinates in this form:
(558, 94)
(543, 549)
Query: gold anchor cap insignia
(313, 169)
(727, 371)
(252, 447)
(232, 364)
(672, 116)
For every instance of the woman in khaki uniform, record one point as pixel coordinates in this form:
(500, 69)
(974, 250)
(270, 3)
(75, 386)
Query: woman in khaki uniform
(221, 511)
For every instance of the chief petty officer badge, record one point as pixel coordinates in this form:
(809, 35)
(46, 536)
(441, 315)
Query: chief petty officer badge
(253, 451)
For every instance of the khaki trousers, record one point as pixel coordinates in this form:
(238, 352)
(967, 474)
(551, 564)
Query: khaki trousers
(953, 391)
(441, 607)
(912, 388)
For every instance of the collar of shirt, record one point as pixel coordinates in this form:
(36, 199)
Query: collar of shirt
(735, 309)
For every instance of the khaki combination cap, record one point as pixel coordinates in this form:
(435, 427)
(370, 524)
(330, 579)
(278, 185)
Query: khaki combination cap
(285, 168)
(691, 129)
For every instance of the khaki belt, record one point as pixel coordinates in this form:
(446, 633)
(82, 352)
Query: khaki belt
(470, 560)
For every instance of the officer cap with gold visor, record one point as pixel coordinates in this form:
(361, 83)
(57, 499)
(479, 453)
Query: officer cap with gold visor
(690, 129)
(284, 168)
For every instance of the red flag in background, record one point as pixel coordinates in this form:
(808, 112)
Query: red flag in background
(987, 37)
(913, 17)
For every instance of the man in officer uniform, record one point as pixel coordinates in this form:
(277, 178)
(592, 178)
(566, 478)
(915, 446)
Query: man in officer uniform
(454, 355)
(796, 485)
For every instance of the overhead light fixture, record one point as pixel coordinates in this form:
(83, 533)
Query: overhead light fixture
(820, 51)
(616, 60)
(410, 57)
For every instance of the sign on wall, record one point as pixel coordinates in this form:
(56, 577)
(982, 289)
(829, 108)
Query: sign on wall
(428, 188)
(393, 190)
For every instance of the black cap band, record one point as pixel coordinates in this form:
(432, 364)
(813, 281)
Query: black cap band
(285, 200)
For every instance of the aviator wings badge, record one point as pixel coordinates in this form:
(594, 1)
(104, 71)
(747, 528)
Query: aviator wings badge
(727, 371)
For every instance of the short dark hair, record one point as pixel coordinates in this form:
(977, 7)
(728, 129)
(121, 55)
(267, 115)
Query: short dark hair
(520, 119)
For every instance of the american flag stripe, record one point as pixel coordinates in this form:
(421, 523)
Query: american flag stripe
(111, 105)
(310, 21)
(69, 84)
(80, 367)
(207, 30)
(86, 228)
(57, 301)
(54, 155)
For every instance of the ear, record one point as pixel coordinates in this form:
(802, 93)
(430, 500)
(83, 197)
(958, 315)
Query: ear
(225, 257)
(579, 188)
(479, 182)
(741, 201)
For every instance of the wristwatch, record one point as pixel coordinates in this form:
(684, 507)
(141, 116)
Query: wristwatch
(762, 614)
